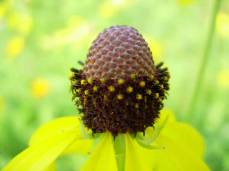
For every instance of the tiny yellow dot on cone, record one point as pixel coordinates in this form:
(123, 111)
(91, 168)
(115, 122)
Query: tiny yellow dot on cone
(120, 81)
(89, 80)
(86, 92)
(95, 88)
(111, 88)
(166, 78)
(129, 89)
(74, 82)
(71, 76)
(102, 80)
(156, 82)
(136, 105)
(105, 98)
(152, 77)
(132, 76)
(120, 96)
(138, 96)
(83, 82)
(149, 92)
(142, 84)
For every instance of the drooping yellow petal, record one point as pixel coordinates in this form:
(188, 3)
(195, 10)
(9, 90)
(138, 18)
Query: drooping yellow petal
(56, 127)
(62, 126)
(174, 157)
(40, 156)
(184, 134)
(51, 167)
(186, 137)
(80, 146)
(165, 114)
(137, 157)
(151, 133)
(103, 157)
(180, 147)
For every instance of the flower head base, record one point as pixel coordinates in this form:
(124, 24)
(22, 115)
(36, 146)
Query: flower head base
(120, 89)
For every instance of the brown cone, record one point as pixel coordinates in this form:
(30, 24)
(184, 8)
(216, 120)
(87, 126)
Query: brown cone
(118, 52)
(105, 92)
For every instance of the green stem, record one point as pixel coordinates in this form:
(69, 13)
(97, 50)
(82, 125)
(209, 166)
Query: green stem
(205, 59)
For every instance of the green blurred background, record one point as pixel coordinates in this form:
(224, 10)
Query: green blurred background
(40, 40)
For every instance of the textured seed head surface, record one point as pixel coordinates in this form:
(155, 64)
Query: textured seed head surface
(118, 52)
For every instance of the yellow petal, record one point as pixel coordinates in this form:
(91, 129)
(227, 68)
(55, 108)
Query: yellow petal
(184, 146)
(103, 158)
(56, 127)
(40, 156)
(81, 146)
(165, 114)
(186, 137)
(137, 157)
(174, 157)
(151, 133)
(166, 162)
(51, 167)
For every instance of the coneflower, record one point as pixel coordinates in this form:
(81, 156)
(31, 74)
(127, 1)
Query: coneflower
(120, 89)
(119, 93)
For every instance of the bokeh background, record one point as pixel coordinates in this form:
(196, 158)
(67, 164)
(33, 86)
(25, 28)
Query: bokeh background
(40, 40)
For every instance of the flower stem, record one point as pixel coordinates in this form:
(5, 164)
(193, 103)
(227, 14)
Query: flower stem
(205, 58)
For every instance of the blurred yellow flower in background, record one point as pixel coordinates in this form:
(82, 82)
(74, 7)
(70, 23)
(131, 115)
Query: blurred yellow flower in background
(155, 47)
(40, 88)
(77, 28)
(222, 24)
(15, 46)
(223, 78)
(184, 2)
(111, 7)
(2, 106)
(3, 9)
(20, 21)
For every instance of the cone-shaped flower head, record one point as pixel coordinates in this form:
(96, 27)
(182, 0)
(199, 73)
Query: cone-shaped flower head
(119, 89)
(117, 53)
